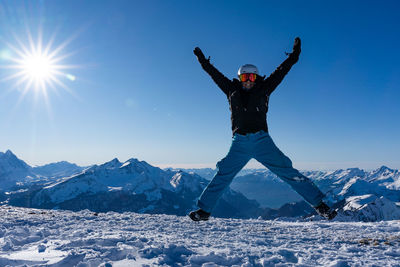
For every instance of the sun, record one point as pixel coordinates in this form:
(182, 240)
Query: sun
(36, 66)
(37, 69)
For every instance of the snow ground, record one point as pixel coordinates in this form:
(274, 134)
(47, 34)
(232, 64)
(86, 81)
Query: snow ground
(33, 237)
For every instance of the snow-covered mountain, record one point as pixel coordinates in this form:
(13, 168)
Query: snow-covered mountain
(14, 171)
(209, 173)
(58, 169)
(206, 173)
(270, 191)
(266, 188)
(369, 208)
(344, 189)
(137, 186)
(131, 186)
(385, 176)
(258, 184)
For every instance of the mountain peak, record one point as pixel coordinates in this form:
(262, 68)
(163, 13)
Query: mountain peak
(11, 157)
(133, 160)
(139, 162)
(12, 170)
(115, 163)
(354, 169)
(384, 168)
(141, 165)
(9, 153)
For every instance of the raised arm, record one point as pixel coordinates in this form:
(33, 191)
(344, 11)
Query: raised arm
(277, 76)
(223, 82)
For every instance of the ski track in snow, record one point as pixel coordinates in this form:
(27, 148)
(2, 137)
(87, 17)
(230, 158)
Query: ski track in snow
(33, 237)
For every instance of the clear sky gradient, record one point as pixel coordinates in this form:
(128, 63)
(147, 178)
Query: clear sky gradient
(140, 92)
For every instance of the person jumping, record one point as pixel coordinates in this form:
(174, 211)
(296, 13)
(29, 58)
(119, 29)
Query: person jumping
(248, 99)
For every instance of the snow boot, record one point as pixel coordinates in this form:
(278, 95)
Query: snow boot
(199, 215)
(324, 211)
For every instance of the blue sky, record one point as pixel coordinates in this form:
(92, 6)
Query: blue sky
(140, 92)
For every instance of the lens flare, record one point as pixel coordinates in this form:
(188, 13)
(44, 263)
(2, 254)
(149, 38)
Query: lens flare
(70, 77)
(5, 54)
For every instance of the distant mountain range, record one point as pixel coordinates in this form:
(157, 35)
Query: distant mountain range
(15, 172)
(137, 186)
(258, 184)
(270, 191)
(113, 186)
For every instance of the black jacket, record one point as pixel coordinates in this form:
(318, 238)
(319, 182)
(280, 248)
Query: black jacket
(249, 108)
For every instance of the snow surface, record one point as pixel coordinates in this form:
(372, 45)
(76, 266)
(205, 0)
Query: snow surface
(33, 237)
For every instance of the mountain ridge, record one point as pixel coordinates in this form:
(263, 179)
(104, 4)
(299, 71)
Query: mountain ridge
(135, 185)
(132, 185)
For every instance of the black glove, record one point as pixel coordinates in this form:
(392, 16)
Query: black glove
(296, 47)
(296, 50)
(199, 54)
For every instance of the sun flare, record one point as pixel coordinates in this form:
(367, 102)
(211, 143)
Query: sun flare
(36, 66)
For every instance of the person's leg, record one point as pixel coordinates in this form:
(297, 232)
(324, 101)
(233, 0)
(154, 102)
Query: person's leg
(227, 168)
(268, 154)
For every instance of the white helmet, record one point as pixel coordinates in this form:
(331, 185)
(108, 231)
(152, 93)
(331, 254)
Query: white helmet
(248, 68)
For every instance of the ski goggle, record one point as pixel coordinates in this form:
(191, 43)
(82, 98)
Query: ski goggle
(247, 76)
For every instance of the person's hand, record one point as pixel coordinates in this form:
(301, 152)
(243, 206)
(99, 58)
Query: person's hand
(199, 54)
(296, 47)
(294, 55)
